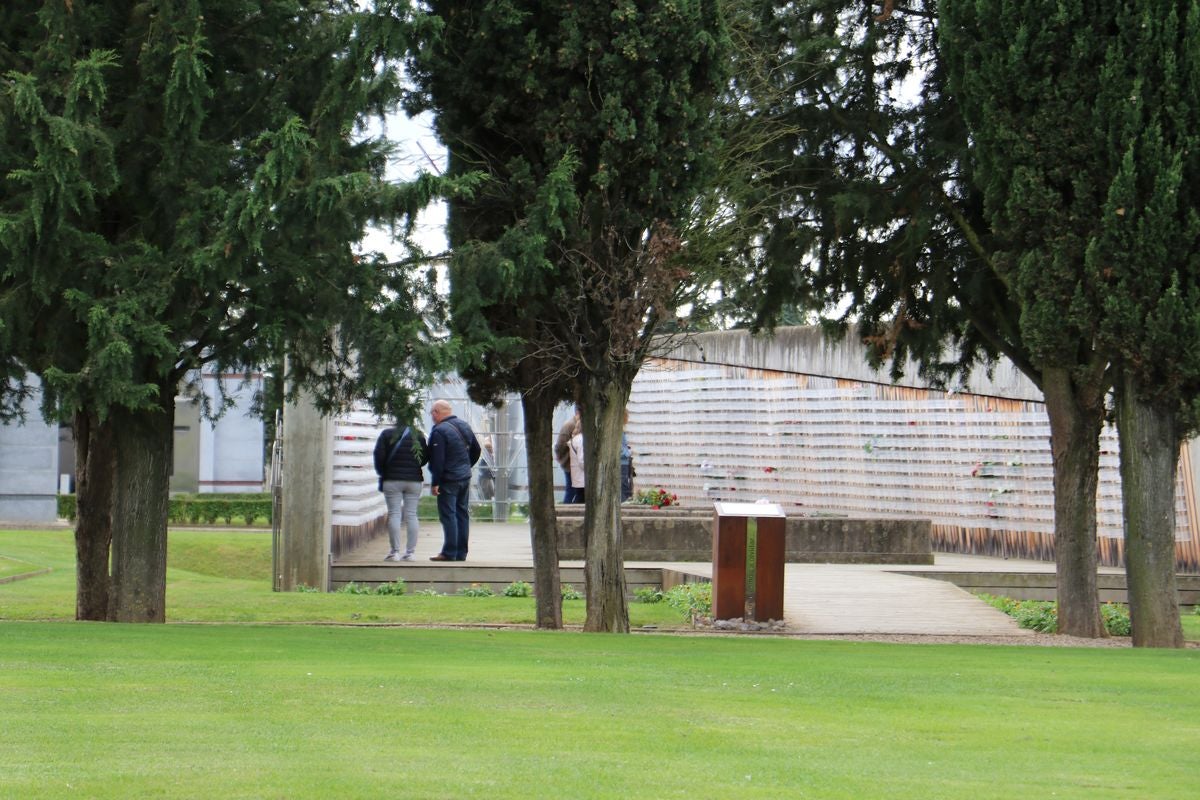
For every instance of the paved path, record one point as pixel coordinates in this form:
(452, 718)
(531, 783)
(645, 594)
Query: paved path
(818, 598)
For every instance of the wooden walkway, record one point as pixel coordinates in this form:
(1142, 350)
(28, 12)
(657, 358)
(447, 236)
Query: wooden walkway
(818, 598)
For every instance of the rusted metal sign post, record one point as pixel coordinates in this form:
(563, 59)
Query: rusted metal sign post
(739, 529)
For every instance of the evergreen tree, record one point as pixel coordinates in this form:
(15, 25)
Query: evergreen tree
(1085, 127)
(1146, 256)
(183, 184)
(883, 223)
(594, 122)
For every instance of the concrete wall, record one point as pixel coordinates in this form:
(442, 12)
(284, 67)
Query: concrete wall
(29, 469)
(231, 449)
(666, 535)
(806, 350)
(803, 421)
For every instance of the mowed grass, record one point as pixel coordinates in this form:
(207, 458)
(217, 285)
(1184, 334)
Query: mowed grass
(226, 577)
(127, 711)
(11, 566)
(251, 711)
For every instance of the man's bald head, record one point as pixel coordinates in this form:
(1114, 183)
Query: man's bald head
(440, 410)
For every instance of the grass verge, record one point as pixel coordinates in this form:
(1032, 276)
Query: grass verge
(226, 577)
(11, 566)
(118, 711)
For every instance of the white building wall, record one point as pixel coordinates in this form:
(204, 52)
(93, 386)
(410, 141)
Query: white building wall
(29, 469)
(231, 449)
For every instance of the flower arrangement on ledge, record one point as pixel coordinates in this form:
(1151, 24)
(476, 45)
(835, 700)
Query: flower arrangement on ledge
(657, 497)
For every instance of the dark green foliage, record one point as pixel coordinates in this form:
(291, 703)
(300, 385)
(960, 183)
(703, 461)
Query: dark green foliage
(1147, 253)
(183, 187)
(1026, 78)
(880, 219)
(1085, 128)
(594, 123)
(875, 217)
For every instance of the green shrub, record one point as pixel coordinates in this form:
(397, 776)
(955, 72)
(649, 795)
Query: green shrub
(1037, 615)
(428, 592)
(477, 590)
(196, 508)
(647, 595)
(395, 588)
(1042, 615)
(691, 600)
(66, 506)
(306, 589)
(518, 589)
(208, 508)
(569, 592)
(1116, 619)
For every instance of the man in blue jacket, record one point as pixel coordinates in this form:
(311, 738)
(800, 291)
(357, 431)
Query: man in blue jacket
(453, 451)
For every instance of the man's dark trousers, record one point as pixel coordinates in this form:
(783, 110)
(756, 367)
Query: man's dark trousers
(453, 502)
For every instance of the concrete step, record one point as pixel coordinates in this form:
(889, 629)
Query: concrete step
(448, 578)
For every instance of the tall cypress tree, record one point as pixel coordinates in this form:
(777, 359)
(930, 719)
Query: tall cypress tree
(183, 185)
(594, 121)
(1146, 256)
(1084, 123)
(883, 223)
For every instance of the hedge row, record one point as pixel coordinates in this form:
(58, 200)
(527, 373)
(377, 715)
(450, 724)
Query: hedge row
(195, 509)
(248, 508)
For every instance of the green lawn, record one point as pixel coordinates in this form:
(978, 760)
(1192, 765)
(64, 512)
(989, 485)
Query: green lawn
(11, 566)
(250, 711)
(226, 577)
(121, 711)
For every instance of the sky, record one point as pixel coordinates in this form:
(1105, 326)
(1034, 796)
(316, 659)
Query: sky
(418, 149)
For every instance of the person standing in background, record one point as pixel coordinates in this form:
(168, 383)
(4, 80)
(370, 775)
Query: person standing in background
(562, 454)
(400, 452)
(453, 451)
(627, 472)
(575, 449)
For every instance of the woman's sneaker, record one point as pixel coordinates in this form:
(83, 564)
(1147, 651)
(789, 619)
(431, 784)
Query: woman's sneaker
(394, 555)
(408, 556)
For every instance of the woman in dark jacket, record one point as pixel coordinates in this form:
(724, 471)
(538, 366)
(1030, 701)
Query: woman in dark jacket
(400, 452)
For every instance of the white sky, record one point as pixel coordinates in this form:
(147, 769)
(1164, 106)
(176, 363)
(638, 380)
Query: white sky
(410, 135)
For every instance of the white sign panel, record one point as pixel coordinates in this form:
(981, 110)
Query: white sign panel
(748, 509)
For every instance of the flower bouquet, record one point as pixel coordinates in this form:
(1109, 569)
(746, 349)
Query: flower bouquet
(657, 497)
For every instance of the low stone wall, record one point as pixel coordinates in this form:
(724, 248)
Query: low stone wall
(686, 535)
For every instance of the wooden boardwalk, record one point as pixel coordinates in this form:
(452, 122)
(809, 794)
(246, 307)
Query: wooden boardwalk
(818, 598)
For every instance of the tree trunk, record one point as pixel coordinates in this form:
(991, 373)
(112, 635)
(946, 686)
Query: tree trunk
(144, 444)
(603, 420)
(543, 528)
(1075, 447)
(1149, 456)
(94, 468)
